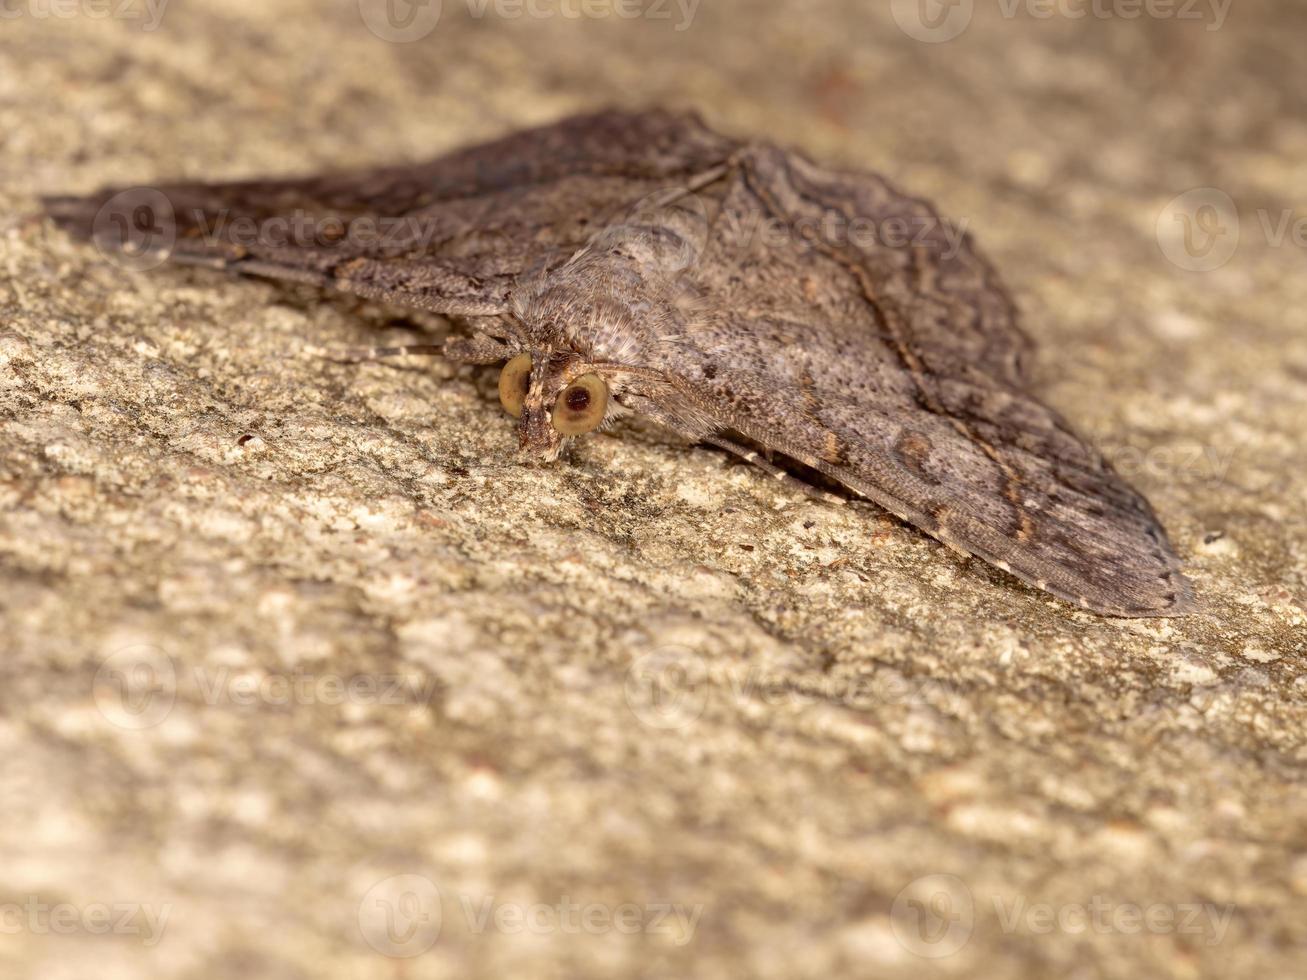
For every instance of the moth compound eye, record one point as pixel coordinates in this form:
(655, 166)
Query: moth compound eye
(581, 405)
(514, 381)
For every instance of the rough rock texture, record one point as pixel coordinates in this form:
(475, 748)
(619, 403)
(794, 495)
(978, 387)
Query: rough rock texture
(276, 630)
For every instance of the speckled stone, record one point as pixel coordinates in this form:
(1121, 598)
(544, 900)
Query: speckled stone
(303, 676)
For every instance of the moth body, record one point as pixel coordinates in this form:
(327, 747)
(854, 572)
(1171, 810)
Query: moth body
(735, 292)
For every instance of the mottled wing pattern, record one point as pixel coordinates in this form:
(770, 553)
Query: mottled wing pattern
(450, 235)
(833, 319)
(895, 369)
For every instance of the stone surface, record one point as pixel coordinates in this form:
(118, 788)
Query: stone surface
(277, 630)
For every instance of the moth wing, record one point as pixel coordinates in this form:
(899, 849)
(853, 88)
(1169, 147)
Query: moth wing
(896, 370)
(449, 235)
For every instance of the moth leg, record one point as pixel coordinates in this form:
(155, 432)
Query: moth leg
(462, 350)
(357, 355)
(652, 410)
(788, 479)
(477, 349)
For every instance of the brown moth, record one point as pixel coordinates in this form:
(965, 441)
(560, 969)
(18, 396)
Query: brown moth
(802, 317)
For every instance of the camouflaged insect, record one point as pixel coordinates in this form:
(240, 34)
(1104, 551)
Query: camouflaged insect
(807, 319)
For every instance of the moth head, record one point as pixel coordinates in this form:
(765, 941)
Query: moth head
(552, 397)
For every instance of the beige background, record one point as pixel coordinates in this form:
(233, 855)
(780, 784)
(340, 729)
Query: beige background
(650, 676)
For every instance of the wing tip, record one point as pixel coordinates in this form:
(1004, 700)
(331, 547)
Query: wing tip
(1179, 601)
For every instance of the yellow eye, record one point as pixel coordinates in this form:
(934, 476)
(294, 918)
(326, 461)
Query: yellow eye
(514, 381)
(581, 405)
